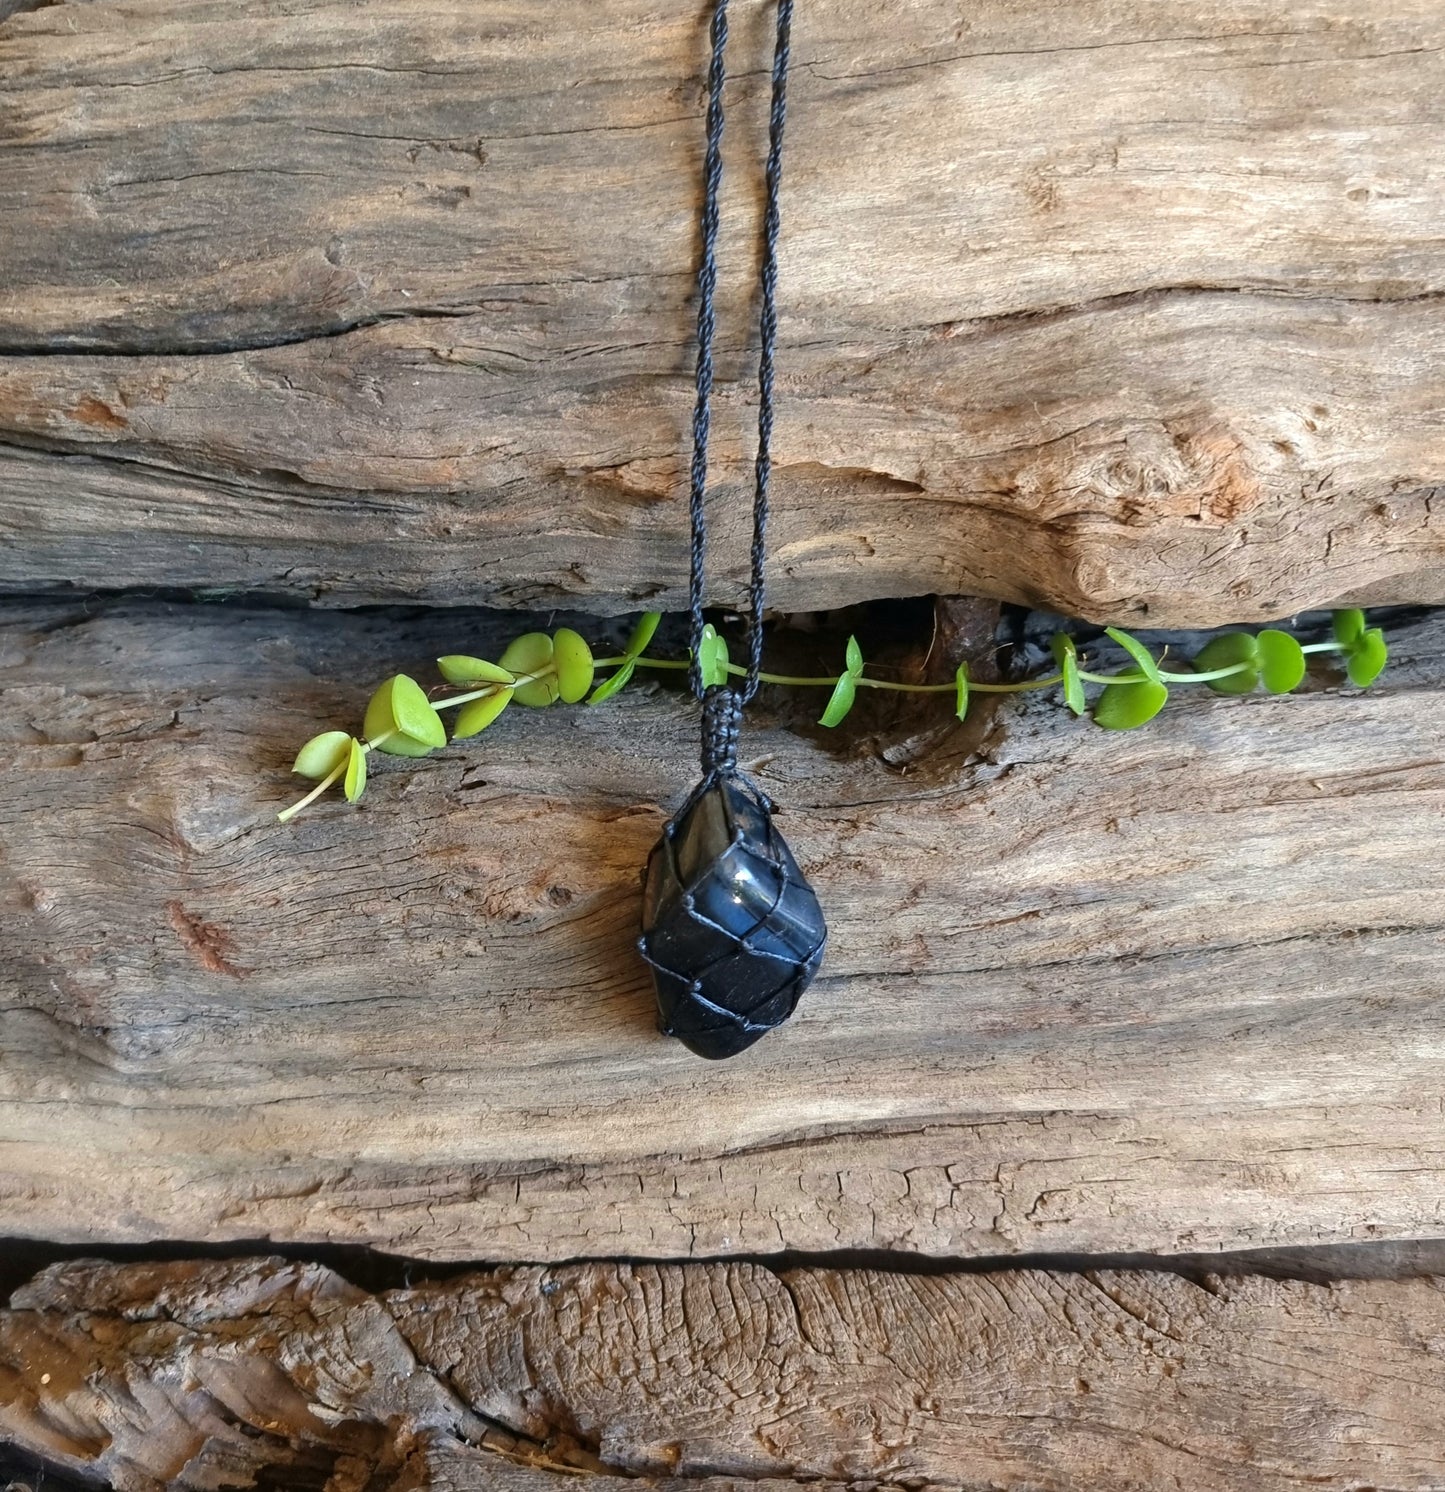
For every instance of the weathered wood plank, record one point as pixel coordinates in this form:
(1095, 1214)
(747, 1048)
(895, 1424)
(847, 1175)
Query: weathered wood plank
(723, 1376)
(1176, 989)
(1109, 307)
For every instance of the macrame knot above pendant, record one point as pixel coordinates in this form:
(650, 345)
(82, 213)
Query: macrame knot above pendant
(731, 928)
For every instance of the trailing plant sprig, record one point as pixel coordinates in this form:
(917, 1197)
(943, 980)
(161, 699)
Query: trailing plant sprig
(537, 670)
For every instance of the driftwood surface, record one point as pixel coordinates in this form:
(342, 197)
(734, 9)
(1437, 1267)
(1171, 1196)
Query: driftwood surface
(1125, 308)
(1172, 989)
(719, 1376)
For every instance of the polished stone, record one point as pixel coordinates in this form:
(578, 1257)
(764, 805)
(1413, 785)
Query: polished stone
(731, 928)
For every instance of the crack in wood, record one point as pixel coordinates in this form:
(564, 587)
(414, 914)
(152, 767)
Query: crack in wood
(983, 323)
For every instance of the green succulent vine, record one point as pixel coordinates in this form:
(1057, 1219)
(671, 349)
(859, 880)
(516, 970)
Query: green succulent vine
(538, 669)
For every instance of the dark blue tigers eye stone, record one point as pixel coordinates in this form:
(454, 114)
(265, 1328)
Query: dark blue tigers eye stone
(731, 928)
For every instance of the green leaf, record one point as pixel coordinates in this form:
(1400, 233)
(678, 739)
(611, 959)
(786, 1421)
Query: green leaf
(844, 693)
(610, 686)
(1367, 658)
(1138, 652)
(413, 713)
(960, 681)
(574, 664)
(379, 720)
(475, 717)
(712, 653)
(642, 633)
(398, 745)
(1348, 625)
(531, 653)
(537, 694)
(1074, 685)
(1066, 655)
(1125, 706)
(1227, 651)
(382, 731)
(322, 754)
(355, 772)
(458, 668)
(1281, 661)
(400, 720)
(853, 657)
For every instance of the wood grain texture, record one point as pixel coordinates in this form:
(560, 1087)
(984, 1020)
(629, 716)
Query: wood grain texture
(724, 1376)
(1178, 989)
(1127, 309)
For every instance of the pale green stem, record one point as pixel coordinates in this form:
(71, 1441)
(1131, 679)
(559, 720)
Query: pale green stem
(288, 814)
(1168, 678)
(864, 683)
(491, 689)
(829, 680)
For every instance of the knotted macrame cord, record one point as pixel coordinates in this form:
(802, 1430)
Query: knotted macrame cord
(722, 704)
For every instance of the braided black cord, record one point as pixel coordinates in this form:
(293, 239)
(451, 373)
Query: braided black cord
(722, 705)
(706, 322)
(757, 589)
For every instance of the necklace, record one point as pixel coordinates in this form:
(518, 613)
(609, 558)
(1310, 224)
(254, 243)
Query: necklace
(730, 926)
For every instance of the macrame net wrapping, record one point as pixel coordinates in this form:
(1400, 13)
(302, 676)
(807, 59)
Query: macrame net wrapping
(733, 932)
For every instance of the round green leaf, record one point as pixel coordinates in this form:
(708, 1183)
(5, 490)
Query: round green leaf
(1228, 651)
(712, 653)
(322, 754)
(574, 664)
(844, 693)
(1125, 706)
(355, 772)
(400, 720)
(1367, 658)
(475, 717)
(642, 633)
(413, 713)
(1138, 652)
(1348, 625)
(610, 686)
(960, 681)
(459, 668)
(1281, 661)
(853, 657)
(531, 653)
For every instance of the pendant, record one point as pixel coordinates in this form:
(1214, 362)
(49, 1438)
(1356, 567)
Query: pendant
(730, 926)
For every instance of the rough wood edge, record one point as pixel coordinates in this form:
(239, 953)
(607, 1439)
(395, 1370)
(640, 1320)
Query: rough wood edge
(710, 1376)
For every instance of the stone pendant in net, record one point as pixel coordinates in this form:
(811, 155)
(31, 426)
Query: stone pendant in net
(731, 928)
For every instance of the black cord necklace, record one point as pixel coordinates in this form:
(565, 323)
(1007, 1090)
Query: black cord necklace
(730, 926)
